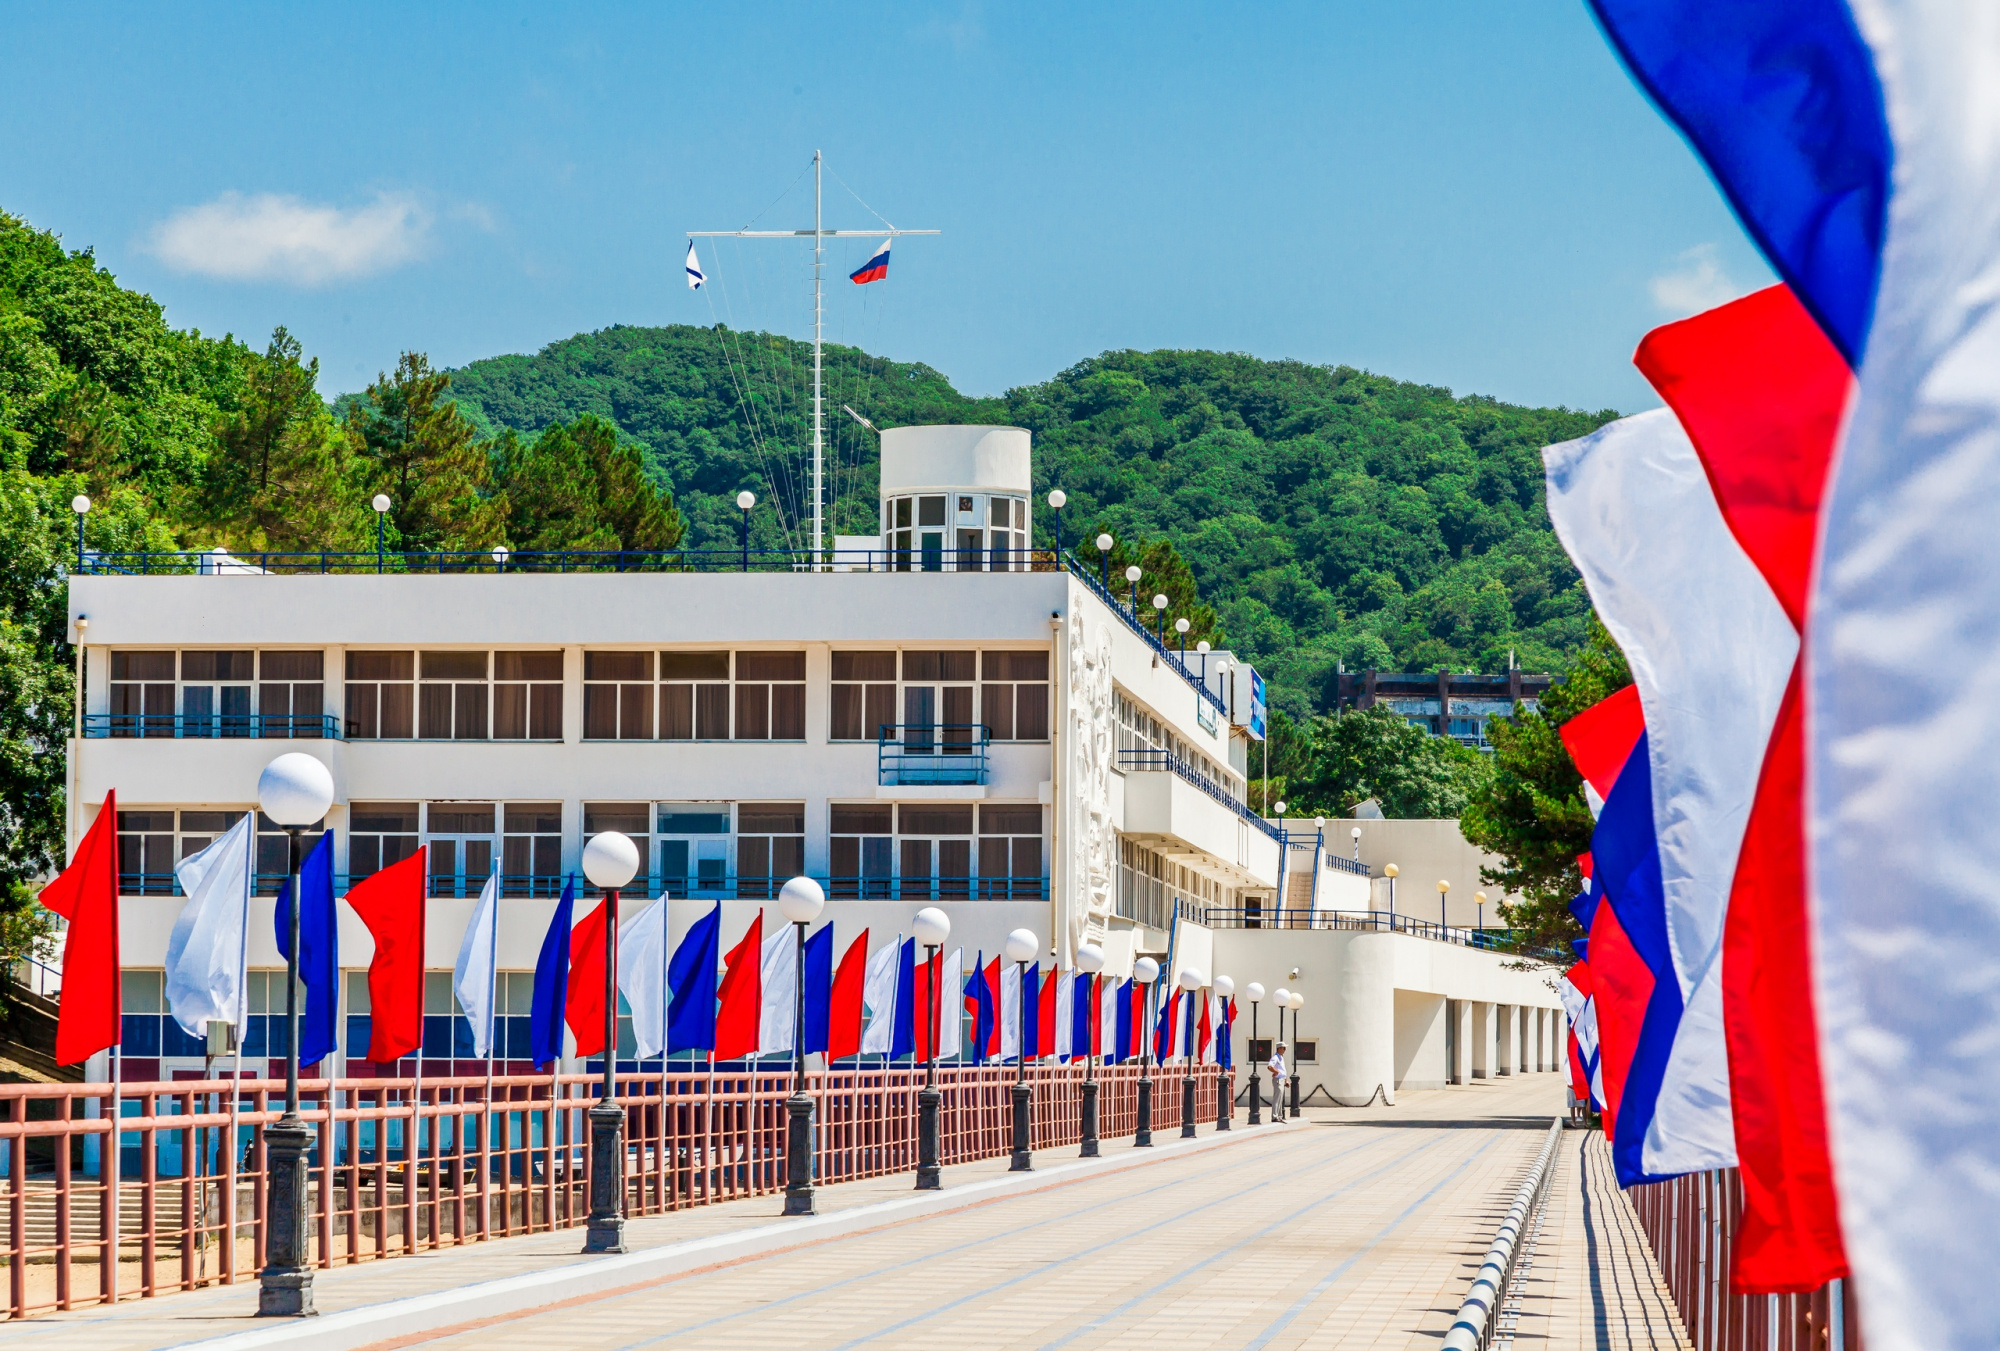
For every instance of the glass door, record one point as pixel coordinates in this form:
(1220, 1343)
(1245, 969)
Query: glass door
(463, 845)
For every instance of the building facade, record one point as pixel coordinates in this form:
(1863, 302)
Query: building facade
(1444, 703)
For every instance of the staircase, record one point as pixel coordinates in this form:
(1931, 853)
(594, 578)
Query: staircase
(28, 1038)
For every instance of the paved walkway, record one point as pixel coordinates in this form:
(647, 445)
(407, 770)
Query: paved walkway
(1350, 1229)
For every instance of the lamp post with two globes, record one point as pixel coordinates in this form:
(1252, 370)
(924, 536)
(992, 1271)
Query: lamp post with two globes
(1190, 981)
(1298, 1001)
(1224, 988)
(932, 926)
(1021, 945)
(294, 792)
(1254, 991)
(799, 901)
(1145, 971)
(609, 861)
(1090, 961)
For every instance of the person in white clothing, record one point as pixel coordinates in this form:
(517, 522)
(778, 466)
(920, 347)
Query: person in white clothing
(1278, 1072)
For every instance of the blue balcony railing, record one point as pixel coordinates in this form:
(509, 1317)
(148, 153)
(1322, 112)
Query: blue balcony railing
(723, 887)
(213, 726)
(187, 562)
(1492, 940)
(932, 753)
(1126, 610)
(1168, 762)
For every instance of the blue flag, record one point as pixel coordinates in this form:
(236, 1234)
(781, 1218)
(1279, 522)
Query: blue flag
(691, 1015)
(545, 1034)
(1121, 1053)
(903, 1032)
(817, 991)
(1031, 1009)
(319, 950)
(1082, 1009)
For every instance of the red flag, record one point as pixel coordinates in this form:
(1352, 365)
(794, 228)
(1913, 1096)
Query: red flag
(742, 996)
(1097, 1015)
(1206, 1032)
(1045, 1022)
(992, 1046)
(86, 894)
(391, 904)
(924, 976)
(583, 1010)
(843, 1024)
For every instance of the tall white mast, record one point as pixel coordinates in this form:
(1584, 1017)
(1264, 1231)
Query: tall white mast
(820, 234)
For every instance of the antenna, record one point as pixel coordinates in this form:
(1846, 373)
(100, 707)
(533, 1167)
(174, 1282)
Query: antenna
(819, 235)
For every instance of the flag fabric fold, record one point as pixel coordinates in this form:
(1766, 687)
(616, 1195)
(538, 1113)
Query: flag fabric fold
(741, 998)
(205, 962)
(584, 1010)
(391, 904)
(844, 1001)
(691, 976)
(878, 995)
(642, 977)
(875, 269)
(545, 1026)
(474, 973)
(778, 983)
(86, 894)
(319, 949)
(816, 983)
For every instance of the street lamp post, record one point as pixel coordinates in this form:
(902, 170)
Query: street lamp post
(1444, 889)
(744, 501)
(1190, 981)
(1255, 992)
(1090, 961)
(1201, 650)
(81, 506)
(932, 926)
(1356, 833)
(1480, 897)
(1132, 575)
(1390, 871)
(1281, 999)
(1145, 971)
(1224, 987)
(1056, 499)
(381, 504)
(1160, 617)
(1181, 626)
(1021, 945)
(1104, 543)
(294, 792)
(1298, 1001)
(609, 861)
(800, 901)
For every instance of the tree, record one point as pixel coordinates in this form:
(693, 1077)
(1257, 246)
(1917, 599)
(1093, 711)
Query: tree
(427, 457)
(1167, 574)
(1532, 812)
(1377, 753)
(579, 487)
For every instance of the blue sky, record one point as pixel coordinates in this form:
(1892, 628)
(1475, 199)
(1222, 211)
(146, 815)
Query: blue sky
(1472, 195)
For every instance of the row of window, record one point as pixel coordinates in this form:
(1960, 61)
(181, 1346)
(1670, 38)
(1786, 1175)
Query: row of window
(644, 696)
(1139, 730)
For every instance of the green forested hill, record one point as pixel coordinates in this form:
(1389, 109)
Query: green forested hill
(1329, 514)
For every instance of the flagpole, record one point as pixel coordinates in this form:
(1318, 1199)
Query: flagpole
(819, 420)
(114, 1170)
(492, 1035)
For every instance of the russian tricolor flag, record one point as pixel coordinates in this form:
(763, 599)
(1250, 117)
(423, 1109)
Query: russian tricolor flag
(875, 269)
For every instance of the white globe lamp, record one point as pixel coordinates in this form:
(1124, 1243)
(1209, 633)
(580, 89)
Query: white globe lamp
(295, 790)
(1089, 958)
(1254, 992)
(1223, 986)
(1022, 945)
(931, 926)
(800, 900)
(1145, 971)
(610, 859)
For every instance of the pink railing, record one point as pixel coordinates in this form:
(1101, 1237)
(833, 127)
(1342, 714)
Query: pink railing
(491, 1159)
(1691, 1223)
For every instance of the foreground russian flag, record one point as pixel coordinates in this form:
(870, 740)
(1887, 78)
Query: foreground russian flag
(1860, 145)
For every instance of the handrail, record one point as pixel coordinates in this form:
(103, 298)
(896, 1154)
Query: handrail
(1492, 940)
(728, 887)
(1119, 608)
(1473, 1329)
(190, 562)
(932, 753)
(213, 726)
(1178, 765)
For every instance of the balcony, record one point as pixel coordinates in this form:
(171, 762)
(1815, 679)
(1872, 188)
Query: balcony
(213, 726)
(932, 755)
(1168, 762)
(217, 563)
(1170, 801)
(711, 887)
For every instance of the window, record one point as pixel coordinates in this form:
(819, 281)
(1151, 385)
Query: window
(1014, 695)
(694, 696)
(461, 840)
(379, 834)
(692, 851)
(527, 696)
(770, 846)
(380, 695)
(265, 1032)
(146, 854)
(770, 696)
(447, 1035)
(274, 859)
(1010, 534)
(1010, 851)
(863, 849)
(142, 694)
(618, 696)
(937, 702)
(291, 693)
(627, 818)
(452, 696)
(935, 849)
(531, 849)
(965, 531)
(145, 1025)
(864, 695)
(215, 693)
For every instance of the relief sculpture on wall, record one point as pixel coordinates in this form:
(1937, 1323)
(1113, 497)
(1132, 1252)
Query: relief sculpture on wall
(1091, 841)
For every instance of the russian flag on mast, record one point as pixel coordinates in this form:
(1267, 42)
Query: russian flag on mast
(875, 269)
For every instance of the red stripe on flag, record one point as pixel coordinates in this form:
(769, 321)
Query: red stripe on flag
(391, 904)
(843, 1024)
(741, 995)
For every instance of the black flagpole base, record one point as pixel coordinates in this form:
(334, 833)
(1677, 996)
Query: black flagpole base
(800, 1195)
(929, 1177)
(1024, 1159)
(1089, 1150)
(1187, 1108)
(1142, 1138)
(1224, 1108)
(606, 1233)
(285, 1285)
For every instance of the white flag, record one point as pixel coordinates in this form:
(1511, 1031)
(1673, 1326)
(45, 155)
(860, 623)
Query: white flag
(878, 994)
(1065, 1015)
(1010, 1010)
(1107, 1030)
(695, 276)
(951, 1004)
(642, 964)
(205, 948)
(472, 977)
(779, 970)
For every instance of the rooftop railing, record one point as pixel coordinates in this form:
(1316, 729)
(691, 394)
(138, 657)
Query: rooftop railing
(213, 726)
(1492, 940)
(1182, 768)
(209, 563)
(714, 887)
(932, 753)
(1128, 612)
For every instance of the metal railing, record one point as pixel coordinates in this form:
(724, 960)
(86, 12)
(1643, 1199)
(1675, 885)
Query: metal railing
(717, 887)
(399, 1166)
(213, 726)
(1493, 940)
(1691, 1223)
(932, 753)
(1479, 1317)
(1128, 614)
(186, 562)
(1182, 768)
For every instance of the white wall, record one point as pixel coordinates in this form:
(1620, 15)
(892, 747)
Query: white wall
(1424, 852)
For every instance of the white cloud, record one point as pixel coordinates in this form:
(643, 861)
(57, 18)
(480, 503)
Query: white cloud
(1696, 282)
(268, 237)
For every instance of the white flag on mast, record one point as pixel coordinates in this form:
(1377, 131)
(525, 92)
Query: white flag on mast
(205, 948)
(472, 977)
(695, 275)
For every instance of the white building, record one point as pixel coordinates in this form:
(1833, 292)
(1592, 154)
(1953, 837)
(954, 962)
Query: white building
(941, 716)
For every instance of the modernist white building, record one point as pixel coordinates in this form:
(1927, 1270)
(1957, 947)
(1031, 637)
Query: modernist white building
(942, 716)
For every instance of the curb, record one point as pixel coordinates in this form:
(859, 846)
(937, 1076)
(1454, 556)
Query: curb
(403, 1319)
